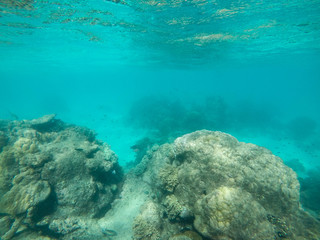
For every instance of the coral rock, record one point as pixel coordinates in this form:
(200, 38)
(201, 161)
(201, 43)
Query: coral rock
(229, 189)
(51, 172)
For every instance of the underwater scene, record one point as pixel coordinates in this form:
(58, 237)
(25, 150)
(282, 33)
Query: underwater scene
(159, 119)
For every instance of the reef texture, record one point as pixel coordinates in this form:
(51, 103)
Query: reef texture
(58, 182)
(55, 180)
(207, 185)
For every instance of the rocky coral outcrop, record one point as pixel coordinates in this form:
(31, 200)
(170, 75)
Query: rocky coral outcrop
(210, 184)
(55, 180)
(58, 182)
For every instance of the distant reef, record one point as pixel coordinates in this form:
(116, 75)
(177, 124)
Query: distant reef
(57, 181)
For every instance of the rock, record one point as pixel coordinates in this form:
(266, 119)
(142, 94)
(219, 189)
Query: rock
(147, 225)
(64, 226)
(226, 189)
(169, 178)
(47, 123)
(23, 196)
(3, 140)
(5, 224)
(42, 120)
(173, 208)
(53, 175)
(221, 212)
(13, 229)
(58, 181)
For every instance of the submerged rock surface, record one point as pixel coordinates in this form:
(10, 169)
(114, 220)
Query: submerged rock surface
(54, 180)
(209, 183)
(58, 182)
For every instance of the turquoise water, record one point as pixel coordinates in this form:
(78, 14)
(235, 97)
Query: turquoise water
(159, 69)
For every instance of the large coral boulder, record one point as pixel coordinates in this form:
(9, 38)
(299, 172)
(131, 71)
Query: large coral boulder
(54, 179)
(209, 183)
